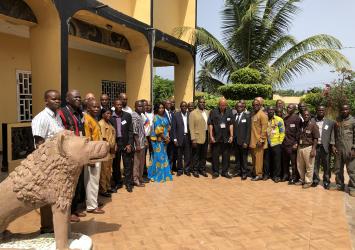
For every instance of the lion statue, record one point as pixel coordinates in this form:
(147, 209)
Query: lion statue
(49, 176)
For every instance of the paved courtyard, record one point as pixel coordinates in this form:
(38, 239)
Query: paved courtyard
(191, 213)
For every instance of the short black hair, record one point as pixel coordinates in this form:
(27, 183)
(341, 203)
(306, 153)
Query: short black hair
(46, 94)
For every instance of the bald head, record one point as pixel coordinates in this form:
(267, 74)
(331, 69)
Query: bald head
(260, 99)
(90, 96)
(73, 98)
(222, 104)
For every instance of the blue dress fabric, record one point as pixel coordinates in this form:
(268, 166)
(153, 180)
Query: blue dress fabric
(160, 170)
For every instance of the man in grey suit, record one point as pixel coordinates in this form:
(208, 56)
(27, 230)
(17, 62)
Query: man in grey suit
(241, 126)
(325, 144)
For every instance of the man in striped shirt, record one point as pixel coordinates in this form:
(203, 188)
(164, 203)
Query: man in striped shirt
(45, 125)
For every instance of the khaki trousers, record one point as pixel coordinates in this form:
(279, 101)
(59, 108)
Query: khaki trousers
(105, 176)
(138, 167)
(92, 180)
(257, 155)
(305, 164)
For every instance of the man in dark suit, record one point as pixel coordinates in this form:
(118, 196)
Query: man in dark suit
(325, 144)
(241, 126)
(182, 140)
(171, 150)
(122, 121)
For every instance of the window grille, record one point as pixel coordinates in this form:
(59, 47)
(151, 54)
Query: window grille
(24, 95)
(113, 89)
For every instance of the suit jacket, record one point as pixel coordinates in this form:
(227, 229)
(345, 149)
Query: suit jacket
(258, 129)
(126, 128)
(178, 127)
(327, 134)
(242, 129)
(198, 126)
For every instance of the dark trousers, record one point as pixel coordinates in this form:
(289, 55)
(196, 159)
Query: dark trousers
(289, 156)
(199, 154)
(220, 148)
(172, 155)
(322, 158)
(341, 159)
(184, 151)
(241, 159)
(127, 159)
(79, 195)
(272, 161)
(150, 149)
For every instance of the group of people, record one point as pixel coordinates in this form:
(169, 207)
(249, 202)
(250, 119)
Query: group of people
(286, 144)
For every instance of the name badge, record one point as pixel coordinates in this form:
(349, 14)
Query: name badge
(228, 119)
(81, 133)
(223, 125)
(244, 120)
(292, 125)
(123, 122)
(326, 127)
(308, 131)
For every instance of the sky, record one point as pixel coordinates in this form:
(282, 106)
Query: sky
(332, 17)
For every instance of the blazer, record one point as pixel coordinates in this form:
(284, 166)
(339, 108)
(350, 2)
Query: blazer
(198, 126)
(258, 129)
(178, 128)
(126, 128)
(327, 134)
(242, 129)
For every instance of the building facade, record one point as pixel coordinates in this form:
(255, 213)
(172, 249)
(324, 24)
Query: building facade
(110, 46)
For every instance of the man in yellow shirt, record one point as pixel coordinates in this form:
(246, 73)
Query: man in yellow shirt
(275, 137)
(92, 172)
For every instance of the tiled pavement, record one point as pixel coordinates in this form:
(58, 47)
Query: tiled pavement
(190, 213)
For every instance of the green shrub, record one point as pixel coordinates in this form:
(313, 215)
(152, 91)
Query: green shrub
(313, 100)
(246, 91)
(246, 76)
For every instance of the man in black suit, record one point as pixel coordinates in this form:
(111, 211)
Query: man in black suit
(122, 121)
(171, 150)
(182, 140)
(325, 144)
(242, 130)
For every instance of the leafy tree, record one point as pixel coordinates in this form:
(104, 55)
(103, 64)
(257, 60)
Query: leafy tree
(289, 92)
(246, 76)
(255, 35)
(206, 80)
(162, 89)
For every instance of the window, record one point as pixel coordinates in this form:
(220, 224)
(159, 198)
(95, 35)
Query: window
(24, 95)
(113, 89)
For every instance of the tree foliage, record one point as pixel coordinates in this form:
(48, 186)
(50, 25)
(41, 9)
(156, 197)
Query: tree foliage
(255, 35)
(246, 76)
(162, 89)
(246, 91)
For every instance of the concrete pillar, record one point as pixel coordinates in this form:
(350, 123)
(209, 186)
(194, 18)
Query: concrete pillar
(184, 78)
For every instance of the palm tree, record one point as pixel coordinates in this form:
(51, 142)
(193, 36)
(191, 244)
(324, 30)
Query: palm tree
(255, 34)
(206, 80)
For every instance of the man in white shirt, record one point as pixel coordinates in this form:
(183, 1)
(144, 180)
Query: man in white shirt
(182, 140)
(124, 99)
(45, 125)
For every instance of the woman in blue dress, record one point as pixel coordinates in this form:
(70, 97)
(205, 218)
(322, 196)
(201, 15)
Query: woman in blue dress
(160, 170)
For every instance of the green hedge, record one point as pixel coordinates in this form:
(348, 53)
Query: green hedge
(246, 91)
(246, 76)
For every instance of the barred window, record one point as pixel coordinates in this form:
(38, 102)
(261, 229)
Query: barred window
(113, 89)
(24, 95)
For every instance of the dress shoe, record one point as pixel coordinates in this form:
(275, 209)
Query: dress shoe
(80, 214)
(314, 184)
(299, 183)
(96, 211)
(306, 185)
(226, 176)
(266, 177)
(111, 190)
(244, 177)
(139, 184)
(337, 187)
(291, 182)
(105, 194)
(215, 175)
(74, 218)
(129, 189)
(257, 178)
(277, 179)
(188, 173)
(326, 185)
(195, 174)
(179, 174)
(146, 180)
(204, 174)
(285, 178)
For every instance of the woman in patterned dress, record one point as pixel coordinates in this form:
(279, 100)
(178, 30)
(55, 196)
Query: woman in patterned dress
(160, 170)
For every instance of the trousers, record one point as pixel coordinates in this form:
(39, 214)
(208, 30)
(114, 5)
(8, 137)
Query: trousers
(138, 167)
(341, 159)
(305, 164)
(257, 155)
(92, 180)
(289, 156)
(241, 160)
(322, 159)
(199, 154)
(105, 176)
(272, 161)
(220, 148)
(127, 159)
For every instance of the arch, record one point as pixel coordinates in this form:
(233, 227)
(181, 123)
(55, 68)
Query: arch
(17, 9)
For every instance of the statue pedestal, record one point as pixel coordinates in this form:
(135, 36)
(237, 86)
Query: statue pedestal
(47, 242)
